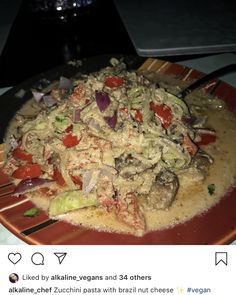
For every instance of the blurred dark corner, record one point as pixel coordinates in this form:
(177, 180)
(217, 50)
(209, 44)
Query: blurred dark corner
(40, 40)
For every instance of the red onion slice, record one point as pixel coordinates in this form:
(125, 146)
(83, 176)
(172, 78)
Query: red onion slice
(31, 184)
(49, 100)
(65, 83)
(102, 100)
(194, 121)
(201, 131)
(37, 95)
(94, 125)
(90, 179)
(111, 121)
(76, 115)
(187, 120)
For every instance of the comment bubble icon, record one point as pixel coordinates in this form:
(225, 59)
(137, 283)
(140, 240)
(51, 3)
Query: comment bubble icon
(37, 258)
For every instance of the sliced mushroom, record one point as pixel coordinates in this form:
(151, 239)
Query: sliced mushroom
(197, 171)
(201, 161)
(163, 191)
(129, 166)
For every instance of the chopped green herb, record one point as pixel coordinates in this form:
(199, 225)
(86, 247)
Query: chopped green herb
(31, 212)
(60, 119)
(211, 188)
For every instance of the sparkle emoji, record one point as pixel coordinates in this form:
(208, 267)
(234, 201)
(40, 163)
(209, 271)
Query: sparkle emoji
(180, 290)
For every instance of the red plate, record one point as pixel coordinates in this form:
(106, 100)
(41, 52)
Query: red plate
(216, 226)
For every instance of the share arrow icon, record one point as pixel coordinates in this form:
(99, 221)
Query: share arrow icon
(61, 256)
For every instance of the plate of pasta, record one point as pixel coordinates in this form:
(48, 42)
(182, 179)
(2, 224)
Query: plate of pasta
(111, 155)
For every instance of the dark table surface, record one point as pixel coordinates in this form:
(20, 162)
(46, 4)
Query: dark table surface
(182, 27)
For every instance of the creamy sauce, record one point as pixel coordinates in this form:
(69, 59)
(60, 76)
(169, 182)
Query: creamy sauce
(195, 199)
(192, 198)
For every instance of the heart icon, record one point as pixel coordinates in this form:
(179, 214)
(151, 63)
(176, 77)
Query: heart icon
(14, 257)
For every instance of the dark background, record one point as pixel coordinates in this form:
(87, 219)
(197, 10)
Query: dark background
(39, 41)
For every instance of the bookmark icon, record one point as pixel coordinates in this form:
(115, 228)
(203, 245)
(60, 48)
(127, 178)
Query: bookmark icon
(221, 257)
(61, 256)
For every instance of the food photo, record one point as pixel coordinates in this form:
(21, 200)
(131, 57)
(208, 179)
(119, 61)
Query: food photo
(119, 149)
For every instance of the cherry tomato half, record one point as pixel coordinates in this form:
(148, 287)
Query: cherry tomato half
(138, 116)
(70, 140)
(114, 81)
(58, 177)
(77, 180)
(69, 129)
(20, 154)
(163, 112)
(190, 146)
(27, 171)
(206, 139)
(124, 110)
